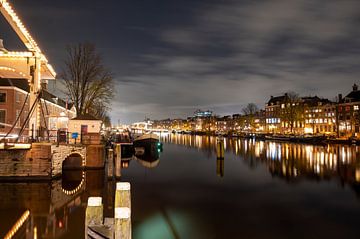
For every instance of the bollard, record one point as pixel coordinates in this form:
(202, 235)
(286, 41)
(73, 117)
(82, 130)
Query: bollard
(220, 149)
(123, 200)
(122, 223)
(118, 161)
(94, 213)
(110, 167)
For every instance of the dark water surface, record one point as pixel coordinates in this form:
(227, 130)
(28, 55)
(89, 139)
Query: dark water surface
(260, 190)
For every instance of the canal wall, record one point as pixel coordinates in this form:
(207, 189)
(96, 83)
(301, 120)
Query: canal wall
(26, 163)
(45, 160)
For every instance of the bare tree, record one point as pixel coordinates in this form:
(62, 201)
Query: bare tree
(250, 109)
(293, 110)
(89, 84)
(249, 112)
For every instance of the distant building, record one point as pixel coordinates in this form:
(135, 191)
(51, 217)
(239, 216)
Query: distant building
(348, 113)
(320, 116)
(300, 115)
(200, 113)
(85, 129)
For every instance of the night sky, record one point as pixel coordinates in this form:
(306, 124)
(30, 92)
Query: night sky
(172, 57)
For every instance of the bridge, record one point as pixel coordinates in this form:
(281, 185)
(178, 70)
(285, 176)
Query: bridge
(47, 160)
(31, 64)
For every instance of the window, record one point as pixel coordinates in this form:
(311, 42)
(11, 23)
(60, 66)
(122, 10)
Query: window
(2, 118)
(356, 107)
(17, 96)
(2, 97)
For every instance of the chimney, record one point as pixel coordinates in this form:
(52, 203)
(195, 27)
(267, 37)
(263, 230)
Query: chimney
(340, 98)
(271, 97)
(355, 87)
(2, 48)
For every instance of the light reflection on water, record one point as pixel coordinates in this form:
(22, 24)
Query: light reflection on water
(287, 160)
(261, 189)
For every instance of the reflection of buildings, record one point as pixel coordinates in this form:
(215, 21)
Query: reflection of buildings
(292, 162)
(56, 208)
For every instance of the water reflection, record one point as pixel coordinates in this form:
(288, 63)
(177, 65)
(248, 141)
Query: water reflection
(288, 161)
(56, 208)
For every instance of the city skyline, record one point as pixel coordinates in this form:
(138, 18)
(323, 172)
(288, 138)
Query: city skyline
(171, 59)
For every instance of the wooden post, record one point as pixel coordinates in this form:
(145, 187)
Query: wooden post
(220, 149)
(110, 161)
(220, 152)
(118, 161)
(94, 213)
(122, 225)
(123, 210)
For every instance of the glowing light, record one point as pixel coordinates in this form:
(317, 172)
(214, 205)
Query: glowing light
(308, 130)
(18, 224)
(23, 33)
(35, 232)
(94, 201)
(122, 213)
(15, 146)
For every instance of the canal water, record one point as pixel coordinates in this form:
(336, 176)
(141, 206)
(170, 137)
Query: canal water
(260, 189)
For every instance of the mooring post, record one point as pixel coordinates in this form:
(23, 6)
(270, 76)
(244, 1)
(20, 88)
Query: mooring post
(220, 151)
(110, 161)
(94, 213)
(122, 210)
(118, 161)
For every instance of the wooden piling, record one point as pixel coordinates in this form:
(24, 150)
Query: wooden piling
(220, 151)
(110, 163)
(94, 213)
(122, 224)
(123, 210)
(118, 161)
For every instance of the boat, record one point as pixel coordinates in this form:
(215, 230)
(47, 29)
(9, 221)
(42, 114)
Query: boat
(145, 139)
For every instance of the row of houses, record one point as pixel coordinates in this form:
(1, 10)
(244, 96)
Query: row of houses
(284, 114)
(58, 119)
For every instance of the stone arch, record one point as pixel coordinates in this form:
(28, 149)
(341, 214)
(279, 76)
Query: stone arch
(73, 160)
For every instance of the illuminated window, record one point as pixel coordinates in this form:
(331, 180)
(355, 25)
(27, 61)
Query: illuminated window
(356, 107)
(282, 106)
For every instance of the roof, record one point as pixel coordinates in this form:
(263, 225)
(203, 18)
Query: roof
(354, 95)
(276, 99)
(85, 116)
(24, 85)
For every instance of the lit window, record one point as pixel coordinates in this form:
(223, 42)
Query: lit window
(282, 106)
(356, 107)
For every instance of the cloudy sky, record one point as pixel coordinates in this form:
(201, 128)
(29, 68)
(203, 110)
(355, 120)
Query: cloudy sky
(172, 57)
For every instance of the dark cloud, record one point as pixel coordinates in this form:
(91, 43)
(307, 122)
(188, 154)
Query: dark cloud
(170, 58)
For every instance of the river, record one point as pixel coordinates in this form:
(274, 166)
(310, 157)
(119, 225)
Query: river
(261, 189)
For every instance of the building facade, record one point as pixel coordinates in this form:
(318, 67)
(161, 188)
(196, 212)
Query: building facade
(15, 107)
